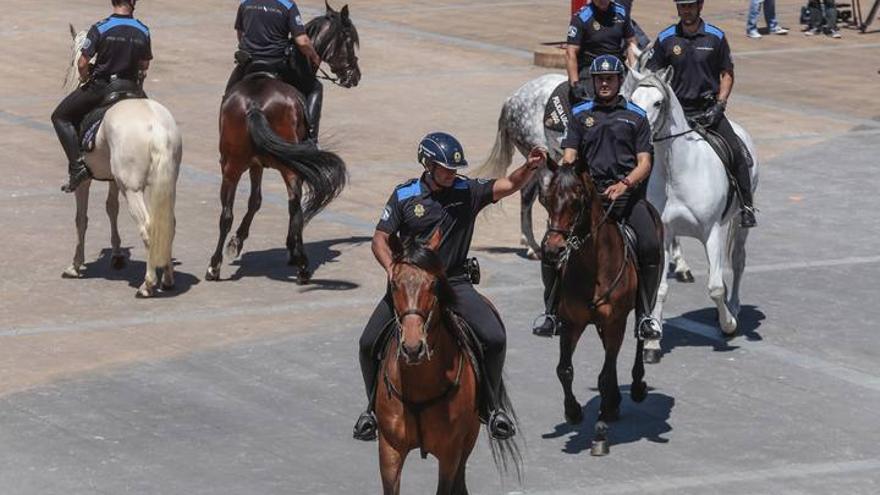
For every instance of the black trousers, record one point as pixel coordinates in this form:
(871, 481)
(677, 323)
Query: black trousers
(823, 13)
(740, 170)
(69, 114)
(469, 305)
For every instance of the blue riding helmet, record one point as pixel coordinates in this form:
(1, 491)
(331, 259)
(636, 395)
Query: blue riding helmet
(607, 64)
(443, 149)
(686, 1)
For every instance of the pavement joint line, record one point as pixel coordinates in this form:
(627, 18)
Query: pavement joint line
(827, 48)
(672, 484)
(812, 112)
(811, 363)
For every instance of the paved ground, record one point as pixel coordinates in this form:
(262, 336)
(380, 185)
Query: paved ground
(250, 385)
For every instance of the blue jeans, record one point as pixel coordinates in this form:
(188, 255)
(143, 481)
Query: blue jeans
(769, 14)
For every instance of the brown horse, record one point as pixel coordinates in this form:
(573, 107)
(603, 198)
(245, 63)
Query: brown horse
(427, 397)
(262, 124)
(598, 282)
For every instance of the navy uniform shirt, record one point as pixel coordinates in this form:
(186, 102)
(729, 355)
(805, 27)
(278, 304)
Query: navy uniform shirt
(697, 59)
(266, 26)
(608, 138)
(120, 43)
(599, 33)
(414, 210)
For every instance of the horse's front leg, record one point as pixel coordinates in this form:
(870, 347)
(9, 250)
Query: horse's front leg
(716, 251)
(527, 237)
(652, 351)
(295, 247)
(738, 260)
(117, 258)
(568, 339)
(236, 243)
(448, 470)
(390, 466)
(682, 270)
(609, 391)
(82, 223)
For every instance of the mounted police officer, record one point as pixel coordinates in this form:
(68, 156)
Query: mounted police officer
(442, 199)
(602, 27)
(702, 81)
(611, 137)
(120, 45)
(265, 29)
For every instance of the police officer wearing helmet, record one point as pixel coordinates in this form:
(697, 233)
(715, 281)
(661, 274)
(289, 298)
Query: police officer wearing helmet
(265, 29)
(611, 137)
(702, 81)
(601, 27)
(442, 199)
(120, 45)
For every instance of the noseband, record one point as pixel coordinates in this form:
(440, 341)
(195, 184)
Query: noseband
(427, 317)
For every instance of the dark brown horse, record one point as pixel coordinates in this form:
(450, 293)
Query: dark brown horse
(598, 282)
(262, 125)
(427, 397)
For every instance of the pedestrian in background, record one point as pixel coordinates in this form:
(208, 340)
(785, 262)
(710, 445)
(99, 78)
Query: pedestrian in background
(823, 18)
(773, 26)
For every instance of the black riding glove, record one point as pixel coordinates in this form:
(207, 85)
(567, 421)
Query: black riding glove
(712, 116)
(579, 92)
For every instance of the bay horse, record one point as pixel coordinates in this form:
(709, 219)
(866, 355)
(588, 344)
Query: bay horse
(138, 149)
(598, 284)
(427, 396)
(262, 125)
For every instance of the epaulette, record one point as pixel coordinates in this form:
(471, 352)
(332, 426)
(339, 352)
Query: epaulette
(635, 108)
(583, 107)
(408, 189)
(714, 31)
(666, 33)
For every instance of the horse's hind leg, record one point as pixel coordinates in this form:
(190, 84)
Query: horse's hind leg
(233, 249)
(738, 260)
(231, 175)
(390, 466)
(527, 200)
(295, 247)
(117, 258)
(568, 339)
(609, 390)
(82, 223)
(138, 209)
(716, 246)
(639, 389)
(449, 469)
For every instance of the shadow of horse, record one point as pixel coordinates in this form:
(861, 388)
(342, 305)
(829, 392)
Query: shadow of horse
(272, 264)
(749, 320)
(132, 271)
(648, 420)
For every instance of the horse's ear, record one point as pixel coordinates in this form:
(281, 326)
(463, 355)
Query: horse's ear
(666, 74)
(329, 8)
(72, 31)
(433, 242)
(344, 13)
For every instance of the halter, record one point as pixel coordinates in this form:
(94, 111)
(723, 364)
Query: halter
(427, 317)
(349, 63)
(653, 82)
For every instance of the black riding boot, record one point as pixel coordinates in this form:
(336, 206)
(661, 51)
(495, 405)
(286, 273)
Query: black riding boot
(649, 281)
(549, 326)
(78, 172)
(744, 183)
(501, 426)
(366, 426)
(314, 102)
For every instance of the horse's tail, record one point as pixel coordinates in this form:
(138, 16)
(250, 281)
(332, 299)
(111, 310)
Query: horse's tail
(502, 152)
(165, 153)
(506, 453)
(323, 173)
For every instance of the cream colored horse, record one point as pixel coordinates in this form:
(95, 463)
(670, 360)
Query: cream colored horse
(138, 150)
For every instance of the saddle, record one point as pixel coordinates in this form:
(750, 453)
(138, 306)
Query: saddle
(558, 108)
(118, 90)
(725, 152)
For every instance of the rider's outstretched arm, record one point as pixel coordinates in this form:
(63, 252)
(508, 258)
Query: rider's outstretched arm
(520, 177)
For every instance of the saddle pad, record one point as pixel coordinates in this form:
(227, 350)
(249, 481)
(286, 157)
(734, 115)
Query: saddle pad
(88, 128)
(558, 109)
(725, 153)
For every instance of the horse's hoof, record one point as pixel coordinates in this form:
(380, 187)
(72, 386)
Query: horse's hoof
(729, 328)
(303, 277)
(117, 262)
(233, 247)
(639, 391)
(574, 414)
(72, 272)
(609, 416)
(685, 277)
(145, 292)
(651, 356)
(213, 274)
(168, 287)
(599, 448)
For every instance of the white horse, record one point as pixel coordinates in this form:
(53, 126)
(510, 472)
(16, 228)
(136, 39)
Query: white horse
(689, 188)
(138, 149)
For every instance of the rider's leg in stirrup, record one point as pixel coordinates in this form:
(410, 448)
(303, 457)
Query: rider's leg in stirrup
(645, 224)
(548, 326)
(314, 102)
(366, 427)
(740, 172)
(66, 117)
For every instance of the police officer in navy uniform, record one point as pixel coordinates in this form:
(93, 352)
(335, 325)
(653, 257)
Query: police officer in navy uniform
(442, 199)
(702, 81)
(601, 27)
(265, 29)
(121, 47)
(611, 137)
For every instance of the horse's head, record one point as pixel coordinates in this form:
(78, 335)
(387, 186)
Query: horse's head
(336, 40)
(652, 92)
(419, 291)
(569, 199)
(79, 41)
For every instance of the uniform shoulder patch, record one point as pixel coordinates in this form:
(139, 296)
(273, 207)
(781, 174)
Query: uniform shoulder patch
(620, 10)
(583, 107)
(408, 189)
(585, 14)
(632, 107)
(666, 33)
(714, 31)
(461, 183)
(287, 3)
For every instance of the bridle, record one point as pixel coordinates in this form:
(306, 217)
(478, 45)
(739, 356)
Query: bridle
(350, 63)
(427, 318)
(652, 81)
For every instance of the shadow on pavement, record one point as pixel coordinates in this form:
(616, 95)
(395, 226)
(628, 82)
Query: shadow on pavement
(133, 273)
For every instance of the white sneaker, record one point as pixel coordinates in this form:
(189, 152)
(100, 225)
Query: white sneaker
(754, 34)
(835, 34)
(811, 32)
(779, 30)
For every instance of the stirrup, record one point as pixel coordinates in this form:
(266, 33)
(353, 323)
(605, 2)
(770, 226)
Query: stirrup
(501, 427)
(649, 329)
(366, 427)
(76, 176)
(537, 328)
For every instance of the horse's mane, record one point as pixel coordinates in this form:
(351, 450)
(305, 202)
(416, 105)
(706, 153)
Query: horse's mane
(71, 78)
(336, 24)
(415, 253)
